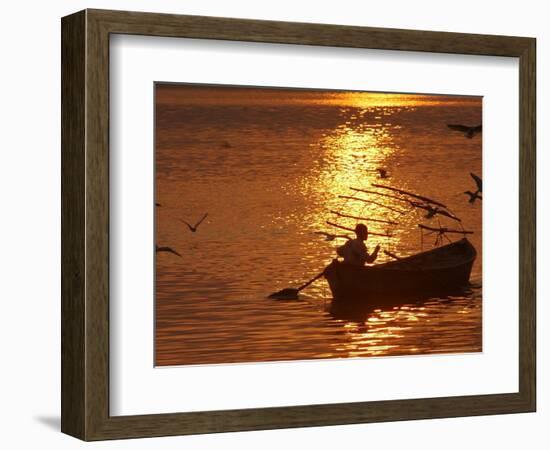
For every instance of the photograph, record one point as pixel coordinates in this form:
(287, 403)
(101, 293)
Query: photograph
(240, 225)
(299, 224)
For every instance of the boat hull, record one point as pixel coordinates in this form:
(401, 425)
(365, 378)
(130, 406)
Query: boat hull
(442, 270)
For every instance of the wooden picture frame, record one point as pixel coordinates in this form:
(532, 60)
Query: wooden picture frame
(85, 224)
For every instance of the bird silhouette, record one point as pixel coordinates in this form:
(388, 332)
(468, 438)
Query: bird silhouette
(469, 132)
(478, 181)
(473, 196)
(193, 228)
(329, 236)
(166, 249)
(383, 173)
(432, 211)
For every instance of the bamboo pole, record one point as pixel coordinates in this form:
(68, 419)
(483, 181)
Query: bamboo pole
(412, 194)
(444, 230)
(367, 219)
(381, 194)
(373, 202)
(351, 229)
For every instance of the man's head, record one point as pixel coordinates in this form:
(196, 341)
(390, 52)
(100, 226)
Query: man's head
(362, 231)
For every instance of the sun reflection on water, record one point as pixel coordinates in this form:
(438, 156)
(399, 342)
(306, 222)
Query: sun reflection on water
(354, 153)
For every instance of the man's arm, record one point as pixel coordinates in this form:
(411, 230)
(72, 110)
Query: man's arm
(371, 258)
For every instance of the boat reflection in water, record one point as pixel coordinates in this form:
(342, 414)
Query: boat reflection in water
(392, 326)
(362, 310)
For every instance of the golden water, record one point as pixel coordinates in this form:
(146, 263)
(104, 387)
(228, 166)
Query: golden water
(268, 166)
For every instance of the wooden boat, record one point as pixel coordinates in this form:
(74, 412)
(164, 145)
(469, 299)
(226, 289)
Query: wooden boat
(441, 270)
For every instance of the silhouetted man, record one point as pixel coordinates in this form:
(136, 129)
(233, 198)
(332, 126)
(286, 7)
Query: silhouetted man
(354, 251)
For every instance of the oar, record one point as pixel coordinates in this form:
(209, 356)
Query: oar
(292, 293)
(392, 255)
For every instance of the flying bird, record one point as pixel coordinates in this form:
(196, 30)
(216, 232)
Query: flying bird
(478, 181)
(432, 211)
(469, 132)
(473, 196)
(193, 228)
(166, 249)
(329, 236)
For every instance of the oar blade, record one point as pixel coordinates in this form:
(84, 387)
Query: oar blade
(285, 294)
